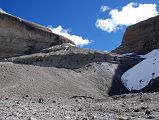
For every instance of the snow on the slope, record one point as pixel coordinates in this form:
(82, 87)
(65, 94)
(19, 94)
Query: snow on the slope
(2, 11)
(127, 54)
(154, 53)
(141, 74)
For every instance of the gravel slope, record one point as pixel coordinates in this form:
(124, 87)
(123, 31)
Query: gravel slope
(93, 80)
(124, 107)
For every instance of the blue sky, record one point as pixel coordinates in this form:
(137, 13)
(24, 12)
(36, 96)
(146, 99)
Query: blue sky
(99, 23)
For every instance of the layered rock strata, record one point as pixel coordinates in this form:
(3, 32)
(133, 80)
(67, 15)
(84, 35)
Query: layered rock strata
(19, 37)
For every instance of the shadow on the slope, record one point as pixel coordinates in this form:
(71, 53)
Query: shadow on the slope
(153, 86)
(117, 87)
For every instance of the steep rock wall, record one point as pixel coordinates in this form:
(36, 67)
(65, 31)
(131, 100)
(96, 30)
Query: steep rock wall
(140, 38)
(19, 37)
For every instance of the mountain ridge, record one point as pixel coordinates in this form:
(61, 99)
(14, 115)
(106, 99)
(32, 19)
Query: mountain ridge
(20, 37)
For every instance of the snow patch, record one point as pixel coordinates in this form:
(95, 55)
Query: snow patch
(2, 11)
(70, 44)
(126, 54)
(141, 74)
(154, 53)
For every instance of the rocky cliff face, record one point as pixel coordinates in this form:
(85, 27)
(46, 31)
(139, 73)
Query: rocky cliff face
(19, 37)
(140, 38)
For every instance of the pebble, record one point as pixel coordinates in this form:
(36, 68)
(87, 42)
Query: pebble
(136, 110)
(31, 118)
(147, 112)
(151, 117)
(123, 118)
(143, 108)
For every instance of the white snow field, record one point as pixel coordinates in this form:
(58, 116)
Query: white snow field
(141, 74)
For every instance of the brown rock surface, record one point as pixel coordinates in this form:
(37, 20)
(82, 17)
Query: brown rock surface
(19, 37)
(140, 38)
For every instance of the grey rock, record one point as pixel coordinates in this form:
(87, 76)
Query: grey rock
(32, 118)
(19, 37)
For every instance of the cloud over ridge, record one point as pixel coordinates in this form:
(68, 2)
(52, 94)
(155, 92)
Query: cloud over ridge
(130, 14)
(78, 40)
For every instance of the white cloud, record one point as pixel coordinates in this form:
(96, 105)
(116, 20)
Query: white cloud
(78, 40)
(104, 8)
(128, 15)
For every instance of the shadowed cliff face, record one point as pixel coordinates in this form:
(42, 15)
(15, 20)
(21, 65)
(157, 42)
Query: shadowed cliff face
(140, 38)
(117, 86)
(19, 37)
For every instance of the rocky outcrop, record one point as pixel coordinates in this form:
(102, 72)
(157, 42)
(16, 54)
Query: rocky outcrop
(20, 37)
(140, 38)
(63, 56)
(70, 57)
